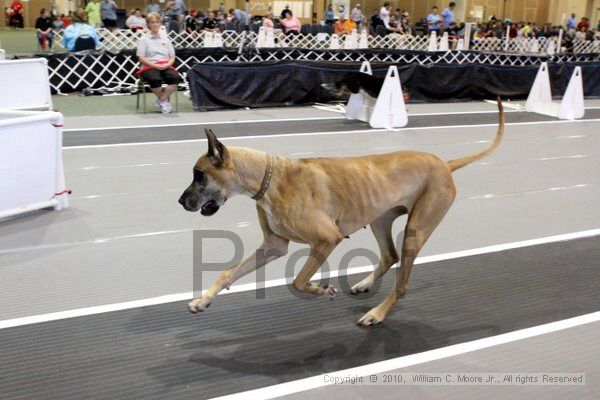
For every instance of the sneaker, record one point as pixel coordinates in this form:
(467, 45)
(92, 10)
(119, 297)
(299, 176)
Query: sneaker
(157, 104)
(165, 107)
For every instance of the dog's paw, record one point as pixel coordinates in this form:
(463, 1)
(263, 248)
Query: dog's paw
(361, 287)
(198, 305)
(329, 290)
(373, 317)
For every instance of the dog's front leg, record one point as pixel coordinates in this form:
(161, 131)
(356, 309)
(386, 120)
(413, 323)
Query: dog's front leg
(267, 252)
(318, 254)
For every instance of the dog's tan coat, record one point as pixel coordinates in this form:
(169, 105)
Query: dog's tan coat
(320, 201)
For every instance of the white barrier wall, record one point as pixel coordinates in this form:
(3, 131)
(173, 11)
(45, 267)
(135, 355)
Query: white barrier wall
(27, 84)
(31, 169)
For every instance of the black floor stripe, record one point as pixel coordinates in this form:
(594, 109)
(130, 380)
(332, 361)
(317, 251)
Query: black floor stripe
(142, 135)
(243, 343)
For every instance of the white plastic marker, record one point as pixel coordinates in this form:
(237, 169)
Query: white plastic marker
(540, 97)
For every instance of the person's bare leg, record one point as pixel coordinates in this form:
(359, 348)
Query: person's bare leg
(158, 92)
(167, 92)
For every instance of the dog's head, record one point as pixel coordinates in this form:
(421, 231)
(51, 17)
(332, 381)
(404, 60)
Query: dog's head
(345, 85)
(338, 90)
(213, 178)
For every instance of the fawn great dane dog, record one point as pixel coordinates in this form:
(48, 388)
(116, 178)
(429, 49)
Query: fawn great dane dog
(320, 201)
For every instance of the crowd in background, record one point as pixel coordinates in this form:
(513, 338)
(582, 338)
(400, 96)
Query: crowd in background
(380, 22)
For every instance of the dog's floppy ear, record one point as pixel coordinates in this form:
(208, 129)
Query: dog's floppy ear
(217, 152)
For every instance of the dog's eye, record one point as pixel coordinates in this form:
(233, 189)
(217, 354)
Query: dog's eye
(199, 177)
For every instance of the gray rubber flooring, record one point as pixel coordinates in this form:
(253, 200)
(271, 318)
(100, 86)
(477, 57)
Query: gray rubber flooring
(242, 342)
(163, 134)
(126, 238)
(575, 350)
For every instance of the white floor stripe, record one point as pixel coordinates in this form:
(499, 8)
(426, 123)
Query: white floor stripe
(9, 323)
(401, 130)
(247, 121)
(318, 381)
(104, 128)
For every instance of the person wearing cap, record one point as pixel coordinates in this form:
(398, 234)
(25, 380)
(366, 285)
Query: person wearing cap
(344, 26)
(357, 16)
(190, 22)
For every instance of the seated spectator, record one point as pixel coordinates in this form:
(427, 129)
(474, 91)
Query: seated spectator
(583, 24)
(527, 31)
(375, 19)
(153, 7)
(66, 20)
(405, 23)
(392, 26)
(16, 15)
(58, 25)
(291, 24)
(268, 22)
(453, 30)
(344, 26)
(79, 28)
(157, 56)
(211, 24)
(135, 21)
(499, 29)
(190, 23)
(108, 9)
(314, 20)
(43, 27)
(584, 34)
(512, 29)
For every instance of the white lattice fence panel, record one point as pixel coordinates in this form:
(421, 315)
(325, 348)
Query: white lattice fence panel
(586, 46)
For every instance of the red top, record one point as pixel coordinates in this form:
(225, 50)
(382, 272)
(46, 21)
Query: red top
(583, 24)
(16, 5)
(66, 21)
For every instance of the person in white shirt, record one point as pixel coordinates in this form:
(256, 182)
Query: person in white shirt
(357, 16)
(384, 14)
(135, 20)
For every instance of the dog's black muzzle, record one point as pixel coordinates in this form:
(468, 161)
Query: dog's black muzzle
(188, 203)
(209, 208)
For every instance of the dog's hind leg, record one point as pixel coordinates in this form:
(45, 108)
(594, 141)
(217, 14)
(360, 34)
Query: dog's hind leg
(272, 248)
(382, 229)
(425, 216)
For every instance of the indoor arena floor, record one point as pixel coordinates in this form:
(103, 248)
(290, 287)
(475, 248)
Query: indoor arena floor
(94, 296)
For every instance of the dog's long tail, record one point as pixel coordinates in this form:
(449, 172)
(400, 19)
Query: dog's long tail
(461, 162)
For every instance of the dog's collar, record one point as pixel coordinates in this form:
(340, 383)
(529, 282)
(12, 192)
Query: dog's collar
(266, 179)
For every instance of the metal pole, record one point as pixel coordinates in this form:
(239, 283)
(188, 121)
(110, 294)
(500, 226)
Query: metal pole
(559, 43)
(467, 36)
